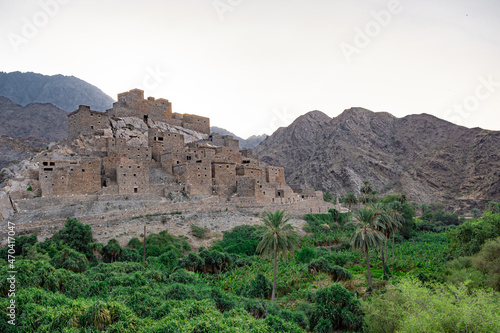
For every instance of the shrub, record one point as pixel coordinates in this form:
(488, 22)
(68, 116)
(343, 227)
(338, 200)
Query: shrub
(260, 287)
(20, 243)
(199, 232)
(306, 255)
(336, 273)
(335, 308)
(488, 262)
(410, 306)
(129, 255)
(467, 238)
(71, 260)
(191, 262)
(240, 240)
(112, 251)
(183, 276)
(76, 235)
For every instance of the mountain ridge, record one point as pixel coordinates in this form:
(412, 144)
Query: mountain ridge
(65, 92)
(429, 158)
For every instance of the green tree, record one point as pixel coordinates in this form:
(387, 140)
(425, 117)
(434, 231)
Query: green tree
(367, 236)
(71, 260)
(350, 199)
(414, 205)
(112, 250)
(493, 207)
(328, 196)
(388, 223)
(277, 237)
(335, 309)
(366, 191)
(76, 235)
(475, 213)
(394, 225)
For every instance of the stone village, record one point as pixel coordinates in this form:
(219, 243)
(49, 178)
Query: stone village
(164, 163)
(139, 158)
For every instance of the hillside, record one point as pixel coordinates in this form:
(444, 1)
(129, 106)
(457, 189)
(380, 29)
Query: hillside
(428, 158)
(26, 129)
(249, 143)
(42, 121)
(65, 92)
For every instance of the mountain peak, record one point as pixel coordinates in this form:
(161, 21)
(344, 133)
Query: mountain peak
(426, 157)
(65, 92)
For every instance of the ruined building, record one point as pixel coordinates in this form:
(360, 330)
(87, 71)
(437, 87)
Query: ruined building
(152, 156)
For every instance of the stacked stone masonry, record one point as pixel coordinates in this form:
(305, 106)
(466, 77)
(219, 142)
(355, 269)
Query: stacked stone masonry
(211, 167)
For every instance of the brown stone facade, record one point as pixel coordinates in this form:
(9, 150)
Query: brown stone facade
(70, 176)
(214, 166)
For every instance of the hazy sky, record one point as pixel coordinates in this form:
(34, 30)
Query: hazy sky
(254, 65)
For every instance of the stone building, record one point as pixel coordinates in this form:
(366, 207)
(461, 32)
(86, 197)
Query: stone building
(110, 165)
(66, 176)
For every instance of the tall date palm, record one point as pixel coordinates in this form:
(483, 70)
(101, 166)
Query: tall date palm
(277, 237)
(367, 236)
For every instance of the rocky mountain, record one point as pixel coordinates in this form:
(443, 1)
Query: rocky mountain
(249, 143)
(26, 129)
(65, 92)
(14, 150)
(42, 121)
(426, 157)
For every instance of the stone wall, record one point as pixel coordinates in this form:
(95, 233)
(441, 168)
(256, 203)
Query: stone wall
(196, 123)
(132, 177)
(66, 177)
(275, 175)
(87, 122)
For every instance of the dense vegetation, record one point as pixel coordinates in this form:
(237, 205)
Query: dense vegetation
(400, 277)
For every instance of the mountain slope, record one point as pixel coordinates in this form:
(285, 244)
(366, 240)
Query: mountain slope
(65, 92)
(42, 121)
(426, 157)
(249, 143)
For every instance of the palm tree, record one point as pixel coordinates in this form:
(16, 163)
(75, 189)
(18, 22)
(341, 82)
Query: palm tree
(366, 190)
(277, 237)
(366, 236)
(397, 223)
(389, 222)
(350, 199)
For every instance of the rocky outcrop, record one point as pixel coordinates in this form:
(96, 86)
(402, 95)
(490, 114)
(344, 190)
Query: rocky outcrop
(426, 157)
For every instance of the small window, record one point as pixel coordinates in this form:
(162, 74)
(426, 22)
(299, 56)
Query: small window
(135, 189)
(52, 163)
(45, 163)
(83, 170)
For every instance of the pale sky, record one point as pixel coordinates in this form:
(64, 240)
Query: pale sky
(255, 65)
